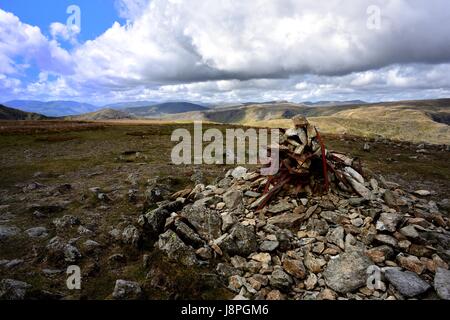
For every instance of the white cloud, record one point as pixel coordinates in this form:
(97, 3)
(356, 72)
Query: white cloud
(26, 43)
(260, 49)
(65, 32)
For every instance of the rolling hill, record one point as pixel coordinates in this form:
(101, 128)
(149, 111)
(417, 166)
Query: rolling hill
(416, 121)
(7, 113)
(104, 114)
(159, 110)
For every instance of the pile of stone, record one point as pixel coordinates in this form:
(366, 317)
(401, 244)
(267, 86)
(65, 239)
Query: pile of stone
(363, 239)
(305, 165)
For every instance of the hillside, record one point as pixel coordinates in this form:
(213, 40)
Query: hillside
(7, 113)
(162, 109)
(416, 121)
(104, 114)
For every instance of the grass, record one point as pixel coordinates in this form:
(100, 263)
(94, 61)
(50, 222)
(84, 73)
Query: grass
(89, 156)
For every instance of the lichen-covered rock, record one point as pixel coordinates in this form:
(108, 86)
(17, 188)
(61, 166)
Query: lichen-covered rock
(127, 290)
(240, 241)
(176, 249)
(131, 235)
(207, 222)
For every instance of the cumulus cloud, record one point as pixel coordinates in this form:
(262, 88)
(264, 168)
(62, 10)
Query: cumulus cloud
(255, 50)
(65, 32)
(22, 44)
(189, 41)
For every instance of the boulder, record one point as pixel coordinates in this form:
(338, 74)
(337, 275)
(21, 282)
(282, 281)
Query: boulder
(233, 198)
(347, 272)
(442, 283)
(13, 289)
(7, 232)
(388, 221)
(130, 235)
(127, 290)
(187, 234)
(207, 222)
(176, 249)
(280, 279)
(240, 241)
(407, 283)
(156, 219)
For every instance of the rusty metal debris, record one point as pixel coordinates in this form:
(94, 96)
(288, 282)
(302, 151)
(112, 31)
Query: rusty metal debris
(306, 166)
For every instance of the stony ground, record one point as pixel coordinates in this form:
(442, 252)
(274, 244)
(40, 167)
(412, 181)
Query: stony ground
(70, 196)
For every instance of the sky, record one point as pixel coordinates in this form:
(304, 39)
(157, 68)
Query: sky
(105, 51)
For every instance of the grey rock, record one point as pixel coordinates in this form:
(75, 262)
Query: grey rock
(281, 206)
(286, 220)
(233, 198)
(13, 289)
(239, 172)
(176, 249)
(252, 194)
(59, 250)
(407, 283)
(318, 225)
(187, 234)
(228, 220)
(409, 232)
(13, 263)
(130, 235)
(37, 232)
(332, 217)
(269, 246)
(207, 222)
(442, 283)
(390, 199)
(91, 245)
(336, 236)
(7, 232)
(156, 219)
(444, 204)
(347, 272)
(388, 221)
(387, 239)
(66, 222)
(240, 241)
(226, 271)
(71, 253)
(280, 279)
(127, 290)
(356, 202)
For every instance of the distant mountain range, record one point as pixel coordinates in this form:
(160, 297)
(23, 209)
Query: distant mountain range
(53, 108)
(14, 114)
(162, 109)
(333, 103)
(144, 109)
